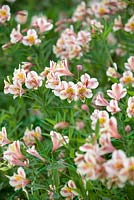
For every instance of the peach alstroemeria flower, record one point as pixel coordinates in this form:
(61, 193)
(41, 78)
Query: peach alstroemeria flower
(58, 140)
(117, 92)
(18, 180)
(3, 137)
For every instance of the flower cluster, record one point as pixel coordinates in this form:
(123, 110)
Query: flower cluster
(22, 76)
(39, 25)
(91, 165)
(14, 156)
(68, 90)
(71, 45)
(128, 27)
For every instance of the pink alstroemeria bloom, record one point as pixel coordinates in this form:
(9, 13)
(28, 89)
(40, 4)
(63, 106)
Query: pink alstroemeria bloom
(33, 80)
(83, 91)
(106, 145)
(58, 140)
(114, 169)
(41, 23)
(5, 14)
(130, 64)
(3, 137)
(34, 152)
(117, 92)
(90, 83)
(31, 38)
(18, 180)
(69, 91)
(16, 89)
(60, 68)
(100, 100)
(112, 128)
(15, 35)
(13, 154)
(113, 107)
(19, 76)
(68, 190)
(130, 108)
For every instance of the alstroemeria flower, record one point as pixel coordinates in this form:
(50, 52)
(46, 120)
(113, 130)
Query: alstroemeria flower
(130, 108)
(130, 64)
(69, 91)
(4, 14)
(117, 92)
(41, 23)
(127, 78)
(19, 76)
(31, 38)
(60, 68)
(3, 137)
(68, 190)
(33, 80)
(15, 35)
(14, 155)
(58, 140)
(83, 91)
(113, 107)
(114, 168)
(90, 83)
(106, 145)
(34, 152)
(15, 89)
(18, 180)
(129, 26)
(100, 100)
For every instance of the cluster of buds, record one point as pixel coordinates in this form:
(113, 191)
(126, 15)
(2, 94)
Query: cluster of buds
(71, 45)
(68, 90)
(128, 27)
(22, 76)
(5, 14)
